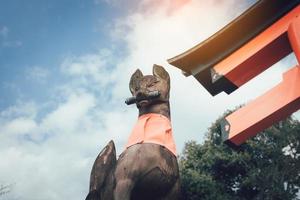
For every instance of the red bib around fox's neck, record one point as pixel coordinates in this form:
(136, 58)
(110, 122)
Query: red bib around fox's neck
(153, 128)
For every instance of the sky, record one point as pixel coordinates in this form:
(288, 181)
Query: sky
(65, 69)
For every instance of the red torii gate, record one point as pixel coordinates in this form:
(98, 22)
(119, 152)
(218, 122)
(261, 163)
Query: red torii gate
(258, 38)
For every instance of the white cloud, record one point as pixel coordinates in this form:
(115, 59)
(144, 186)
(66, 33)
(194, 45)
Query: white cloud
(4, 31)
(18, 126)
(6, 42)
(37, 73)
(12, 43)
(56, 150)
(105, 1)
(28, 109)
(69, 115)
(116, 3)
(90, 67)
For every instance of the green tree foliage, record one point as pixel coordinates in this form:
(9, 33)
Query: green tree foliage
(266, 167)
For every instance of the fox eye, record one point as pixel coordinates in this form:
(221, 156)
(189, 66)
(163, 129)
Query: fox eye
(152, 84)
(155, 82)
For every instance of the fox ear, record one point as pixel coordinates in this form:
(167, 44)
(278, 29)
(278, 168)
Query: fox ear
(135, 77)
(160, 72)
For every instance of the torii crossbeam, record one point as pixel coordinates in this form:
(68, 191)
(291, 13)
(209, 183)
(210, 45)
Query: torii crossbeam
(261, 36)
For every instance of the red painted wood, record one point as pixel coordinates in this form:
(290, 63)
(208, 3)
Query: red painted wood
(261, 52)
(294, 36)
(273, 106)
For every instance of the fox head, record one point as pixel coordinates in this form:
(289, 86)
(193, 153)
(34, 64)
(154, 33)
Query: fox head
(140, 86)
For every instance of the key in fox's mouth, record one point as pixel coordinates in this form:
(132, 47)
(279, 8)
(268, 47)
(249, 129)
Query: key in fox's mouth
(143, 103)
(147, 98)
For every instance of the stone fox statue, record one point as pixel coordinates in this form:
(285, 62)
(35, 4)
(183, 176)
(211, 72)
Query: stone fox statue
(147, 169)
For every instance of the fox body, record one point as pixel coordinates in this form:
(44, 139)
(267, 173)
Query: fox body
(148, 168)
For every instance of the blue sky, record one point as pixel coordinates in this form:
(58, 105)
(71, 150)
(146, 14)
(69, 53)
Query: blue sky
(42, 33)
(65, 68)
